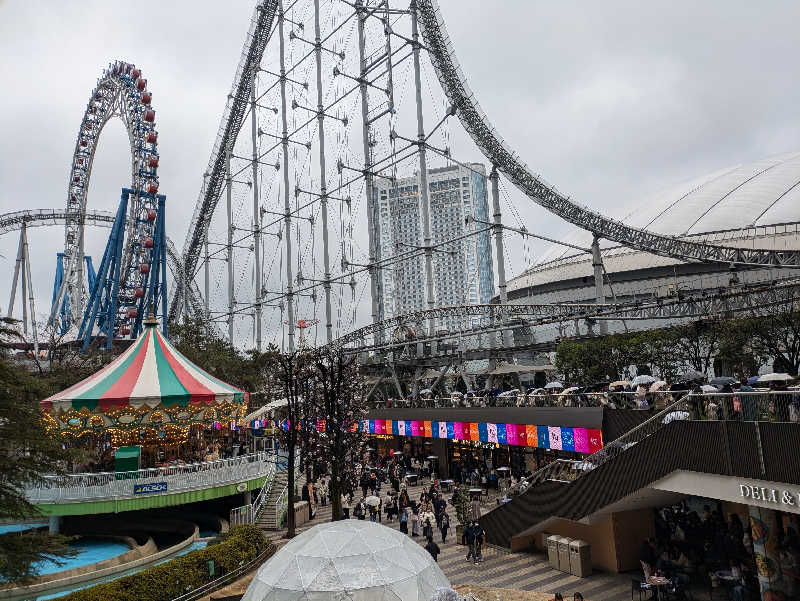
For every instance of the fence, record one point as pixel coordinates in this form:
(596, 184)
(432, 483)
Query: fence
(772, 406)
(162, 480)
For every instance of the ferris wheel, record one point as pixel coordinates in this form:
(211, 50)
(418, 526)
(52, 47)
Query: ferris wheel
(138, 240)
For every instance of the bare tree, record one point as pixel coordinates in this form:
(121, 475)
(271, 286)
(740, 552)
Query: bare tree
(337, 398)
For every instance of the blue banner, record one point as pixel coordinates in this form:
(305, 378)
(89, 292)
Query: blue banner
(148, 489)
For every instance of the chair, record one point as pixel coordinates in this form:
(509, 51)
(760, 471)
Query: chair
(637, 586)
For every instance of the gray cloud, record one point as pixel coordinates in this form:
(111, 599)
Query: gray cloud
(609, 101)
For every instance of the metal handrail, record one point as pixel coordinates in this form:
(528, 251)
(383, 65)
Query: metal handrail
(214, 585)
(711, 406)
(104, 485)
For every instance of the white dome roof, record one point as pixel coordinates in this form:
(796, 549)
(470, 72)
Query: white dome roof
(348, 560)
(762, 193)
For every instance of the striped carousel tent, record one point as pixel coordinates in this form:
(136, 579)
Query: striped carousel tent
(150, 374)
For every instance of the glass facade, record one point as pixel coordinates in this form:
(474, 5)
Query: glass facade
(462, 270)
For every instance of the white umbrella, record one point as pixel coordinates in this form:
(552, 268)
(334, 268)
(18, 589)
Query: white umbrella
(507, 394)
(709, 388)
(775, 378)
(503, 469)
(643, 379)
(657, 385)
(432, 457)
(426, 391)
(552, 385)
(372, 500)
(673, 416)
(570, 390)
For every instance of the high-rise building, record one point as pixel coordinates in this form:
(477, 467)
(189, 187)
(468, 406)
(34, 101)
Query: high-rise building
(462, 270)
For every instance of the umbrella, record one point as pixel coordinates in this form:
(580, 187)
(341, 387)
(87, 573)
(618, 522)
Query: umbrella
(456, 393)
(426, 391)
(709, 388)
(539, 391)
(553, 385)
(692, 376)
(570, 390)
(372, 500)
(623, 383)
(432, 457)
(643, 379)
(657, 385)
(502, 469)
(721, 381)
(675, 416)
(775, 378)
(752, 380)
(507, 394)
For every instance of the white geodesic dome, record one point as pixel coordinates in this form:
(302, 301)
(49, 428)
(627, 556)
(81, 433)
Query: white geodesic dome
(349, 560)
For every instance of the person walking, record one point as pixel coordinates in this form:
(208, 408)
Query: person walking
(414, 524)
(480, 539)
(346, 507)
(468, 539)
(427, 530)
(433, 549)
(444, 524)
(404, 521)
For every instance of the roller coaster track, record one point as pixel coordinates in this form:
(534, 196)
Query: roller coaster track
(783, 296)
(10, 222)
(231, 123)
(476, 123)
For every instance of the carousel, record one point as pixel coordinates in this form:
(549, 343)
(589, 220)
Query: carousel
(150, 396)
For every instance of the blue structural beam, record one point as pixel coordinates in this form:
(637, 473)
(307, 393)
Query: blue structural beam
(155, 284)
(106, 296)
(101, 309)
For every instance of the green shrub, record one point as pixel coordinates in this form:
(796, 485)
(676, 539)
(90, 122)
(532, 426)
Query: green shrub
(183, 574)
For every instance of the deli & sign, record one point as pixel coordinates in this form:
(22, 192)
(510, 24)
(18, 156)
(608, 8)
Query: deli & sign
(769, 495)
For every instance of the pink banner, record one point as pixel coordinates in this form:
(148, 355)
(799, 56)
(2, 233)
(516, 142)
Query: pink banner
(458, 430)
(555, 437)
(581, 440)
(378, 426)
(511, 434)
(415, 428)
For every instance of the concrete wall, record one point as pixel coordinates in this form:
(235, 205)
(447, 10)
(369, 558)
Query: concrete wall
(630, 529)
(615, 540)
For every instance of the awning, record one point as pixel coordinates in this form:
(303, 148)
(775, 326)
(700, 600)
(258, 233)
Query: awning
(511, 368)
(150, 373)
(264, 410)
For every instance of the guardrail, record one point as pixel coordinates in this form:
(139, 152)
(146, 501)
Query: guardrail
(771, 406)
(613, 400)
(71, 488)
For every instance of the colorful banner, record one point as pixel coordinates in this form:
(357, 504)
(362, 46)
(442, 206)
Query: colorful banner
(580, 440)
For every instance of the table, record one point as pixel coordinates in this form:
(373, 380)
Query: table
(411, 477)
(447, 485)
(660, 583)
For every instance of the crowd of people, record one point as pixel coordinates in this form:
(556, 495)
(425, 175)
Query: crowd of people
(385, 496)
(701, 551)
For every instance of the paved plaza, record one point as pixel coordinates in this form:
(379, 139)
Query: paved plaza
(503, 569)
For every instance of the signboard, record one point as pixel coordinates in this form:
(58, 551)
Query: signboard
(580, 440)
(149, 489)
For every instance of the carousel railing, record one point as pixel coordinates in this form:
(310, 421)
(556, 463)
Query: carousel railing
(153, 481)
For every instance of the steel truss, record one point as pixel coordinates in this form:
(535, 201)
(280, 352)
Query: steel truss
(15, 221)
(477, 124)
(121, 92)
(374, 75)
(784, 296)
(230, 125)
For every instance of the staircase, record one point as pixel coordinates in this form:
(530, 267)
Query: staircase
(269, 520)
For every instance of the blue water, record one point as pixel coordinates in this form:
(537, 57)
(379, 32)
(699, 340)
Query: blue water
(19, 527)
(207, 533)
(193, 547)
(89, 551)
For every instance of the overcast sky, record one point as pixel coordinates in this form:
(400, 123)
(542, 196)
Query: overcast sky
(609, 101)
